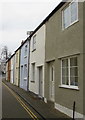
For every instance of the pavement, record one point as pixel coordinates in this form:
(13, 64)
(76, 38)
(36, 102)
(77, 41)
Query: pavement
(44, 109)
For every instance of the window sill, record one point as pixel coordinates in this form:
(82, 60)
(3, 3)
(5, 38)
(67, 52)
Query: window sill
(70, 25)
(25, 56)
(25, 79)
(69, 87)
(32, 81)
(33, 50)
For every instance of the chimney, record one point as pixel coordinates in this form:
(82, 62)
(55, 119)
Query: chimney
(22, 42)
(29, 33)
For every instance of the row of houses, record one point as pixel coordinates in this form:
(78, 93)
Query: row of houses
(51, 61)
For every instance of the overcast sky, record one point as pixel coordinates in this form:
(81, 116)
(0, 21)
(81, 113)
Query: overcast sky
(19, 16)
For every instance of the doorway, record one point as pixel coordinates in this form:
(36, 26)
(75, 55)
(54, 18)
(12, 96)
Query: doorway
(52, 80)
(40, 81)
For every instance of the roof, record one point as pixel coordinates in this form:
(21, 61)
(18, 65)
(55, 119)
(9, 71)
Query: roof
(22, 44)
(10, 58)
(41, 24)
(48, 17)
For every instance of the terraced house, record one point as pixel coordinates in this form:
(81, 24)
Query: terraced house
(12, 69)
(65, 58)
(8, 70)
(37, 60)
(17, 67)
(52, 59)
(24, 65)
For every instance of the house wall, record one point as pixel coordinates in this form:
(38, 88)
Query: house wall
(84, 59)
(37, 57)
(17, 68)
(9, 71)
(6, 70)
(61, 43)
(12, 70)
(24, 83)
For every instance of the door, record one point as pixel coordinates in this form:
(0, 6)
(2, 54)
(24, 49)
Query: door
(40, 82)
(51, 82)
(12, 76)
(21, 80)
(25, 77)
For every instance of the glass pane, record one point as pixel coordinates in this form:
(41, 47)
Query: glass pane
(64, 72)
(34, 42)
(26, 50)
(65, 63)
(66, 17)
(73, 11)
(65, 80)
(74, 71)
(74, 81)
(73, 61)
(25, 71)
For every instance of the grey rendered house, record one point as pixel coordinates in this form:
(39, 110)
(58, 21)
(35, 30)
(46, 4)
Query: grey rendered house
(65, 58)
(24, 65)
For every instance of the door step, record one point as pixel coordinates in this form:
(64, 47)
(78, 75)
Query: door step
(50, 103)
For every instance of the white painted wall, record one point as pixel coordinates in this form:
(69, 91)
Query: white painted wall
(37, 57)
(11, 80)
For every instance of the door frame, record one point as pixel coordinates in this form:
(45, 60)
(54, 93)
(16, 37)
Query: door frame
(39, 81)
(51, 84)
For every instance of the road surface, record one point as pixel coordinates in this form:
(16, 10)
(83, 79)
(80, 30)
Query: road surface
(13, 106)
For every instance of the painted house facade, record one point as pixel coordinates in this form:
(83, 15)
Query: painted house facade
(8, 70)
(12, 69)
(51, 64)
(64, 63)
(17, 67)
(37, 60)
(24, 66)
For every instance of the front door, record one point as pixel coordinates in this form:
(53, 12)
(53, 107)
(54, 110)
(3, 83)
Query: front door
(21, 80)
(25, 77)
(40, 82)
(51, 83)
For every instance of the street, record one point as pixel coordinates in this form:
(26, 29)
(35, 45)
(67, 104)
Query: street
(13, 106)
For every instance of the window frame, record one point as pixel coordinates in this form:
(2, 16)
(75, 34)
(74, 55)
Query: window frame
(16, 58)
(34, 44)
(25, 51)
(69, 85)
(25, 72)
(71, 23)
(33, 73)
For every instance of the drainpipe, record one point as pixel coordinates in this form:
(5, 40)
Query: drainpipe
(28, 63)
(74, 110)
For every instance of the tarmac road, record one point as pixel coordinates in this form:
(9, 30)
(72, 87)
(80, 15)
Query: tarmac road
(12, 106)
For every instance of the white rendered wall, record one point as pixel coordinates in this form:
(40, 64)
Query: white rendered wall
(37, 57)
(12, 60)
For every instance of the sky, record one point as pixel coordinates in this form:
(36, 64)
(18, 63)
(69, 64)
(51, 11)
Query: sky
(19, 16)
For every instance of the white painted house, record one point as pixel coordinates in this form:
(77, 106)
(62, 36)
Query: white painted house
(12, 69)
(37, 60)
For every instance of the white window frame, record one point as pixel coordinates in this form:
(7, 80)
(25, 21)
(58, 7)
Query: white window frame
(71, 23)
(16, 57)
(34, 44)
(25, 72)
(68, 86)
(25, 53)
(33, 72)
